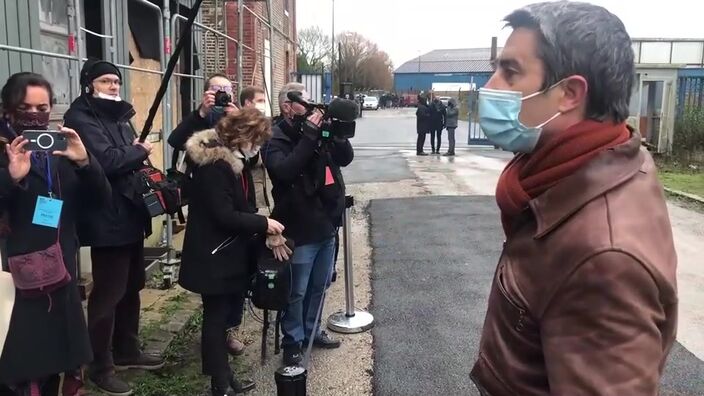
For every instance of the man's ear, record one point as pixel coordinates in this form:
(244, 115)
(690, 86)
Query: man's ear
(575, 91)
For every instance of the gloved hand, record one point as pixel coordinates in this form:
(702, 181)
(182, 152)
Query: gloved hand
(311, 128)
(277, 244)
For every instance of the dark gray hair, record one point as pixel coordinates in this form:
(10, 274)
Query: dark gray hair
(586, 40)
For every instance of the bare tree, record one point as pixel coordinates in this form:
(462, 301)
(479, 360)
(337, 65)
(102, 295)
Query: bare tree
(314, 49)
(363, 64)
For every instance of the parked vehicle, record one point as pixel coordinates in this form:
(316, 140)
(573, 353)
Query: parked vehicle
(444, 100)
(371, 103)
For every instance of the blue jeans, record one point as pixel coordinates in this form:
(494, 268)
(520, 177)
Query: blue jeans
(311, 267)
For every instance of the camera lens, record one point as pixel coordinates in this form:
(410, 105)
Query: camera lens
(45, 141)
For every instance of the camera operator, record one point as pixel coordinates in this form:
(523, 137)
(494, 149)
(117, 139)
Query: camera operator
(309, 196)
(116, 232)
(207, 114)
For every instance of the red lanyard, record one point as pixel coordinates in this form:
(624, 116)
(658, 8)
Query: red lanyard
(245, 187)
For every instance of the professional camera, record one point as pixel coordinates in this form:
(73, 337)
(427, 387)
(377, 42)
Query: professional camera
(222, 99)
(338, 116)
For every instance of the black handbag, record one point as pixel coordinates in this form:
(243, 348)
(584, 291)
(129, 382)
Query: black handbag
(271, 285)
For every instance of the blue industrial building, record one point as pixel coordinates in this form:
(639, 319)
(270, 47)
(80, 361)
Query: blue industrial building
(450, 66)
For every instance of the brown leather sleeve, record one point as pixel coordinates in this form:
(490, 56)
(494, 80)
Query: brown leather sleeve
(601, 332)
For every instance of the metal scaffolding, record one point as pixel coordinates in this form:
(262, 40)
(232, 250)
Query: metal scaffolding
(168, 35)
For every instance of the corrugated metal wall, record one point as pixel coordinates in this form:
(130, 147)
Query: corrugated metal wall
(424, 81)
(20, 27)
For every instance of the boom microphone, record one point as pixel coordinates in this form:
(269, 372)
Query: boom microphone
(343, 109)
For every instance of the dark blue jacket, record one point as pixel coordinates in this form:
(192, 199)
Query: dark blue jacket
(107, 135)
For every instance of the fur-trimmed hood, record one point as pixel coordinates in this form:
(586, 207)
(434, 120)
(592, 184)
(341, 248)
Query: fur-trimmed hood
(205, 148)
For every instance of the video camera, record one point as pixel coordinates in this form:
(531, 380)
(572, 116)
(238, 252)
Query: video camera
(338, 116)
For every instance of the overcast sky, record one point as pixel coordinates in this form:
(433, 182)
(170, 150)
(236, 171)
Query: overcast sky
(407, 28)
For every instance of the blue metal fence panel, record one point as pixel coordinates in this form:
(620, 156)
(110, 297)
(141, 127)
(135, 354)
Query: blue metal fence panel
(690, 93)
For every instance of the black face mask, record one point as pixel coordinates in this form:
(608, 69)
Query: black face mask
(25, 120)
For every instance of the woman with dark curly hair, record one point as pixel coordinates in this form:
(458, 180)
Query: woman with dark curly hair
(43, 194)
(222, 222)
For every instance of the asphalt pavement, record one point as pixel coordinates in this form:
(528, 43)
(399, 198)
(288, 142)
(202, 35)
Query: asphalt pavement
(377, 166)
(433, 261)
(432, 265)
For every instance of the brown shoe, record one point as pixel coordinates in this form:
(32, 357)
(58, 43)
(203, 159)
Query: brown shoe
(234, 346)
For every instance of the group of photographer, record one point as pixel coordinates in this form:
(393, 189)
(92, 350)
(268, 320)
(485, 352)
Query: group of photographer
(224, 233)
(432, 116)
(54, 200)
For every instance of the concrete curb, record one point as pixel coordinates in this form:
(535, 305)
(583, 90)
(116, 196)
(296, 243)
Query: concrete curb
(682, 194)
(163, 321)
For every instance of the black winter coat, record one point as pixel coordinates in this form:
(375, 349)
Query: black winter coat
(43, 341)
(293, 162)
(423, 122)
(104, 129)
(437, 115)
(191, 124)
(222, 224)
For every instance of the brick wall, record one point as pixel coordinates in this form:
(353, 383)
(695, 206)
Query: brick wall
(255, 32)
(214, 49)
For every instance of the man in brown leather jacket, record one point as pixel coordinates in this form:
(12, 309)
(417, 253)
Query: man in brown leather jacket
(584, 299)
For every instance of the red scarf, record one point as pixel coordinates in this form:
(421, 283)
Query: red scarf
(529, 175)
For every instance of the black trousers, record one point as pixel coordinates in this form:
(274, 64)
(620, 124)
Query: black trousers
(420, 142)
(216, 310)
(436, 133)
(113, 304)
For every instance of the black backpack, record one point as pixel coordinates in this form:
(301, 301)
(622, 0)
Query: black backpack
(270, 290)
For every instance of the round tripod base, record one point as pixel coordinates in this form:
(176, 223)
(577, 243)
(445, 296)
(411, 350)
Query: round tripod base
(339, 322)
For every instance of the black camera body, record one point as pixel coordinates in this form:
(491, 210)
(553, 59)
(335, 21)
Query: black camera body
(338, 116)
(222, 99)
(338, 129)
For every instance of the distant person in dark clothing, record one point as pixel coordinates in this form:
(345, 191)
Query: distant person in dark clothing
(437, 124)
(451, 116)
(422, 123)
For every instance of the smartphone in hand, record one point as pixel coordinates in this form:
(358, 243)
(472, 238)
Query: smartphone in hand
(45, 140)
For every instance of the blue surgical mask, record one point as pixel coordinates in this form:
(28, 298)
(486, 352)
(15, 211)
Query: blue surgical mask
(499, 119)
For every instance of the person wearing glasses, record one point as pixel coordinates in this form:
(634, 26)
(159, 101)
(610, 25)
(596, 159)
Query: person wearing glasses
(207, 115)
(116, 231)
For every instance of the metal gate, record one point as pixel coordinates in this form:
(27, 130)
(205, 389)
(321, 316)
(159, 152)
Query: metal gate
(476, 135)
(690, 94)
